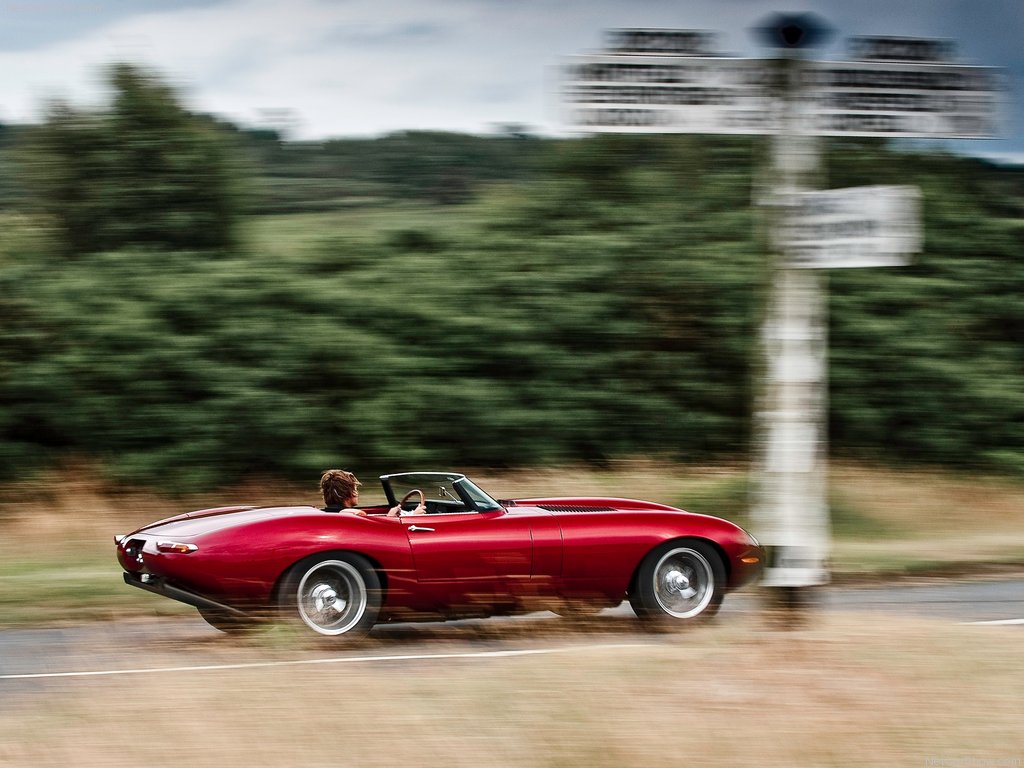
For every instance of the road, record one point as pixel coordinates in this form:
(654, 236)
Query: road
(971, 601)
(186, 641)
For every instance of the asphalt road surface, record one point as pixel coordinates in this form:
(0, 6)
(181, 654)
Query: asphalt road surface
(180, 641)
(971, 601)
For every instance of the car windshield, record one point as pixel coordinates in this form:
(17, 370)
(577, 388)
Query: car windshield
(480, 500)
(441, 490)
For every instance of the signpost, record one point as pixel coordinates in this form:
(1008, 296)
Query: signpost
(791, 510)
(875, 226)
(648, 94)
(670, 81)
(885, 99)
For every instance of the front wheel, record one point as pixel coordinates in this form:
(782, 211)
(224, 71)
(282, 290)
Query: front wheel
(680, 581)
(333, 595)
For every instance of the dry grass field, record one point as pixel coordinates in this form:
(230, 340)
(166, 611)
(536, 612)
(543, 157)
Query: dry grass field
(847, 690)
(920, 520)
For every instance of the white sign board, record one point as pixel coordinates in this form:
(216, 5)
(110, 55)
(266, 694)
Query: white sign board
(875, 226)
(891, 99)
(629, 89)
(665, 94)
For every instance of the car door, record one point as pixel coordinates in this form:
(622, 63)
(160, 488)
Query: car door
(472, 559)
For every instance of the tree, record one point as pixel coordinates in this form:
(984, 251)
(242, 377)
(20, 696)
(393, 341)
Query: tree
(142, 172)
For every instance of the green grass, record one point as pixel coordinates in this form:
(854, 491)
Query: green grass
(848, 521)
(42, 591)
(293, 235)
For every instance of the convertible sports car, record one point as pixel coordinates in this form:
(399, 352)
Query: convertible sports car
(339, 573)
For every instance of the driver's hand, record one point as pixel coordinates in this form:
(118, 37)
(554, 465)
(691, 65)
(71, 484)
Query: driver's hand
(420, 510)
(395, 511)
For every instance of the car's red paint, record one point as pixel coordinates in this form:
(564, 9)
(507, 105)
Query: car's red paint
(512, 557)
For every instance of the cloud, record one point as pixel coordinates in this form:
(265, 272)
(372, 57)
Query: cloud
(345, 67)
(30, 24)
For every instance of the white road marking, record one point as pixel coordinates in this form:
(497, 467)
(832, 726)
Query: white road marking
(335, 660)
(994, 622)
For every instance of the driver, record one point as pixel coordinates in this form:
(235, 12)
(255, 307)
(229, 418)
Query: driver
(341, 494)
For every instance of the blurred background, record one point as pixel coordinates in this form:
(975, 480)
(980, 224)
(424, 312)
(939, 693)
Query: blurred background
(243, 242)
(187, 302)
(199, 288)
(217, 274)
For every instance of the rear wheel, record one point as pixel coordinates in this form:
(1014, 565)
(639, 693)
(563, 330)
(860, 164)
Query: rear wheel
(332, 595)
(679, 582)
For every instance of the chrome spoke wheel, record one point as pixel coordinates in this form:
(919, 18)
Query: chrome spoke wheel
(331, 597)
(684, 582)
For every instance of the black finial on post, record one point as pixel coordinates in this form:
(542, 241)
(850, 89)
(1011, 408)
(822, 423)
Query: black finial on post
(793, 30)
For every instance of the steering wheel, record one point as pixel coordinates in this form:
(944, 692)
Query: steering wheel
(409, 495)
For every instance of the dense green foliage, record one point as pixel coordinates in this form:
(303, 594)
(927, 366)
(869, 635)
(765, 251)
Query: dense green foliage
(143, 172)
(927, 362)
(443, 168)
(586, 299)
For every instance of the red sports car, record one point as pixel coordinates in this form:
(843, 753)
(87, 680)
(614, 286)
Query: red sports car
(338, 573)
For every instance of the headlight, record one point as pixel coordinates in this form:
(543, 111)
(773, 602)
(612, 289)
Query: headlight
(176, 547)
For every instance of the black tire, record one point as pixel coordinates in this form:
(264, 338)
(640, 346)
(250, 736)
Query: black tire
(680, 582)
(334, 594)
(230, 623)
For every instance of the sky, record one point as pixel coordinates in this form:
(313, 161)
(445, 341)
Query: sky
(329, 68)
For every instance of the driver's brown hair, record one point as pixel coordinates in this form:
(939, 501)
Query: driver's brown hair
(338, 486)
